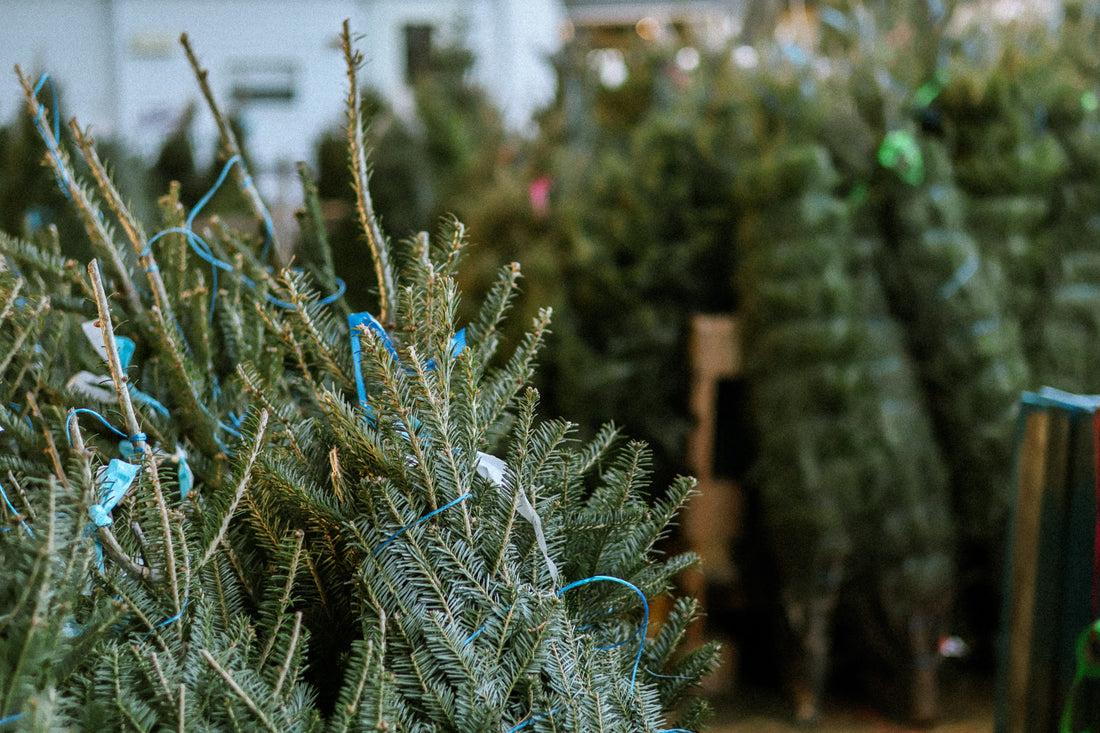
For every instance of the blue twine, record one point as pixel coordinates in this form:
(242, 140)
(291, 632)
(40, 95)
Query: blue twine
(39, 123)
(11, 719)
(13, 511)
(134, 439)
(358, 322)
(637, 660)
(167, 621)
(645, 616)
(424, 518)
(341, 288)
(960, 277)
(203, 250)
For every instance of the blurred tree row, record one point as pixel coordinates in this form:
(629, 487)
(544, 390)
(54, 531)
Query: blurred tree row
(933, 196)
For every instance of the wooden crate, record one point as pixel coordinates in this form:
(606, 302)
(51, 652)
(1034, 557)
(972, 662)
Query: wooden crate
(1051, 584)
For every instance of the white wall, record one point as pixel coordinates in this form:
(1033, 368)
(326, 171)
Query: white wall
(70, 39)
(121, 69)
(233, 39)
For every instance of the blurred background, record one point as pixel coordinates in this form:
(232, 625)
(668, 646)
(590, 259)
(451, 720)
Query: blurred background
(811, 252)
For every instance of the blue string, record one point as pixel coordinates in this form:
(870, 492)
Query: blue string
(532, 719)
(203, 250)
(59, 174)
(167, 621)
(427, 516)
(341, 288)
(11, 719)
(13, 511)
(267, 219)
(134, 439)
(645, 616)
(960, 277)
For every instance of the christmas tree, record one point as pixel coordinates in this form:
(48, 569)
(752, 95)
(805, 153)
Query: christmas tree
(852, 482)
(314, 519)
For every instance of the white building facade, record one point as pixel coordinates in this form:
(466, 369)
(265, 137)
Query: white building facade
(274, 64)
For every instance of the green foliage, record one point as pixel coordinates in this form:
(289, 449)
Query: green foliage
(344, 560)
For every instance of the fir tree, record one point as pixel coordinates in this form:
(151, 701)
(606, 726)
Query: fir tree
(314, 520)
(852, 482)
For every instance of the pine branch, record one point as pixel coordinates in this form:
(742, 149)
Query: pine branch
(118, 376)
(231, 146)
(242, 486)
(89, 212)
(239, 691)
(377, 241)
(130, 225)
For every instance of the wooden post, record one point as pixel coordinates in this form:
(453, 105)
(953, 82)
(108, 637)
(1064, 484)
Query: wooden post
(712, 519)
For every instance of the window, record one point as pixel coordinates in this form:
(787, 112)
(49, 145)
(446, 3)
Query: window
(418, 51)
(264, 80)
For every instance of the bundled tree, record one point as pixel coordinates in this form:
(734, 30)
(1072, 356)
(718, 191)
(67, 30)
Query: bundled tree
(304, 526)
(855, 501)
(1066, 326)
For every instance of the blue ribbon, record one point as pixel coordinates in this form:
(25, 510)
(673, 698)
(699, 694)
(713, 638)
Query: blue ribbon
(40, 125)
(134, 439)
(364, 321)
(203, 250)
(13, 511)
(117, 480)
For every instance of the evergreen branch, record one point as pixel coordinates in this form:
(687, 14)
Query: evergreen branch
(251, 380)
(10, 300)
(230, 144)
(34, 322)
(130, 225)
(166, 529)
(312, 222)
(146, 573)
(119, 697)
(336, 476)
(51, 448)
(344, 715)
(322, 346)
(242, 486)
(284, 600)
(248, 701)
(235, 563)
(118, 376)
(38, 586)
(379, 246)
(516, 374)
(181, 716)
(290, 651)
(139, 659)
(90, 215)
(320, 586)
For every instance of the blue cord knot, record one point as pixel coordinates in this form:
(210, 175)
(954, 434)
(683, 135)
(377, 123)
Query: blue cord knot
(99, 516)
